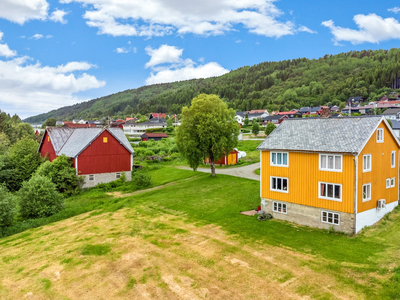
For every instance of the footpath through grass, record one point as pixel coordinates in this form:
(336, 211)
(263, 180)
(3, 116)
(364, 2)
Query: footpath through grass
(365, 264)
(95, 199)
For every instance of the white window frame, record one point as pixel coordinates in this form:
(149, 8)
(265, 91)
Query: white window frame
(91, 177)
(370, 191)
(393, 182)
(326, 197)
(388, 183)
(276, 190)
(393, 159)
(118, 175)
(326, 167)
(377, 135)
(370, 163)
(283, 206)
(279, 165)
(327, 216)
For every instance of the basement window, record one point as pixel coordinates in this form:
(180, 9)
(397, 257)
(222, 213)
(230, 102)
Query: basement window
(91, 177)
(330, 218)
(118, 175)
(105, 139)
(279, 207)
(280, 184)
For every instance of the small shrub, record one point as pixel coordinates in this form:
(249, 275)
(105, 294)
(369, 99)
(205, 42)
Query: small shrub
(245, 131)
(142, 179)
(166, 158)
(149, 153)
(39, 198)
(264, 216)
(7, 207)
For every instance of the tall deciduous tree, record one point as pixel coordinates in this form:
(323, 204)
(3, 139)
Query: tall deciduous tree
(208, 129)
(50, 122)
(255, 129)
(269, 128)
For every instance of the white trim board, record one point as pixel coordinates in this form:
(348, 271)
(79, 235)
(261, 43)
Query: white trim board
(370, 217)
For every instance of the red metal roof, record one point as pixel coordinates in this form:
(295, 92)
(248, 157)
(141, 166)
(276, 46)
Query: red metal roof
(162, 135)
(72, 125)
(158, 115)
(287, 112)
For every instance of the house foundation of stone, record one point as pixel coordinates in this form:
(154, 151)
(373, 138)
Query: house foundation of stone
(92, 180)
(309, 216)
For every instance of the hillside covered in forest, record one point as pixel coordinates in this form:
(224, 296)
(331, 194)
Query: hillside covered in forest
(282, 85)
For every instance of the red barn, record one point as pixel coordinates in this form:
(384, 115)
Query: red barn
(99, 154)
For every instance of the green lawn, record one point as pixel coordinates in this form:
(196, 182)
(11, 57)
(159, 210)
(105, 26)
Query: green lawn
(365, 263)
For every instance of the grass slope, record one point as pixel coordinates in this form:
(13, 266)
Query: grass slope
(188, 239)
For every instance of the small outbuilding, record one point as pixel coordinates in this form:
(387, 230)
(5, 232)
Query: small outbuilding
(231, 159)
(153, 136)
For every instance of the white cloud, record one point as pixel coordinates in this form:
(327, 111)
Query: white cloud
(121, 50)
(164, 54)
(38, 36)
(306, 29)
(164, 17)
(58, 16)
(371, 28)
(33, 88)
(178, 69)
(394, 9)
(5, 50)
(20, 11)
(126, 50)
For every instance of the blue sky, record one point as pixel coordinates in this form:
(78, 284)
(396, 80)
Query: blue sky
(57, 53)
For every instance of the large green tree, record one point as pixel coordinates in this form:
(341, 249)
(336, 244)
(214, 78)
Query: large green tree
(23, 160)
(50, 122)
(208, 129)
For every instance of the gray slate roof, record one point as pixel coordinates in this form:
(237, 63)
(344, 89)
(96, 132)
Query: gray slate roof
(396, 124)
(339, 135)
(72, 141)
(391, 111)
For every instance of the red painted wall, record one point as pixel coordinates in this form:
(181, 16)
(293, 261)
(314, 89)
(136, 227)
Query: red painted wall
(102, 157)
(47, 147)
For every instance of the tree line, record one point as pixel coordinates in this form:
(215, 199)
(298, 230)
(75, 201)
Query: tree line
(282, 85)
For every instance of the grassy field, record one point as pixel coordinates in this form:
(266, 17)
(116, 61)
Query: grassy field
(185, 238)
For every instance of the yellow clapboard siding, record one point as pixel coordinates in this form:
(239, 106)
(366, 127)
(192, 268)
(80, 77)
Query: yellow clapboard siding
(304, 174)
(380, 170)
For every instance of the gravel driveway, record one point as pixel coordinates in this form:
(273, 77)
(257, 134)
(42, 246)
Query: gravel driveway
(245, 172)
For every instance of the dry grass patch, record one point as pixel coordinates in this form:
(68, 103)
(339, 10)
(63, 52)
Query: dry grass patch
(126, 255)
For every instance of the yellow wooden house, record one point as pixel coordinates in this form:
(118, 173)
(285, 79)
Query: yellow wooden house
(334, 172)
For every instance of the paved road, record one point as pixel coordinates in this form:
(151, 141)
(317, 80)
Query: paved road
(245, 172)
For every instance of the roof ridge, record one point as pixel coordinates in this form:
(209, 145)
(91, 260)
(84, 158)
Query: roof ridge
(73, 129)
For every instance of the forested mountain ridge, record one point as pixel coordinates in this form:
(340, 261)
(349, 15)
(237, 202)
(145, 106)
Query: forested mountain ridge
(279, 85)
